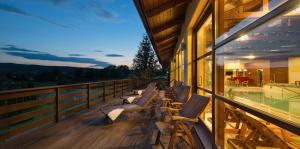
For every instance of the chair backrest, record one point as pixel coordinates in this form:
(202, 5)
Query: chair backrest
(150, 87)
(147, 98)
(194, 106)
(182, 93)
(177, 84)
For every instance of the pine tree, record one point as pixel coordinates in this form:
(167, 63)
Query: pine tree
(145, 63)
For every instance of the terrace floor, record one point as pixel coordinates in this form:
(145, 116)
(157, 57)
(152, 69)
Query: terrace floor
(89, 129)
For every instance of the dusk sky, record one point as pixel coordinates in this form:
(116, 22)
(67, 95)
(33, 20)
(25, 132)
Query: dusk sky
(80, 33)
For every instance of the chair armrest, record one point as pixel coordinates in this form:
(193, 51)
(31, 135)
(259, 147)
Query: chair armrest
(181, 118)
(170, 109)
(166, 99)
(177, 103)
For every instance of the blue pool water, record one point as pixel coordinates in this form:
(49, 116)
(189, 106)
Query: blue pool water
(292, 106)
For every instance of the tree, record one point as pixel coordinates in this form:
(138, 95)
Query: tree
(145, 63)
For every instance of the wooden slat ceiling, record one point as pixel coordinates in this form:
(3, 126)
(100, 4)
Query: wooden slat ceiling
(163, 20)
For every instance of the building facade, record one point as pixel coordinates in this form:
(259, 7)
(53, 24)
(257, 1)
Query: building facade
(245, 54)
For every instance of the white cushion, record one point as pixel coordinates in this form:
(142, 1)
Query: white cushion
(140, 92)
(130, 99)
(114, 114)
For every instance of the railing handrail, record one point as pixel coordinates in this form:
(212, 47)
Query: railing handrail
(29, 108)
(57, 86)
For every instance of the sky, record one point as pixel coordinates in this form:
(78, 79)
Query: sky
(76, 33)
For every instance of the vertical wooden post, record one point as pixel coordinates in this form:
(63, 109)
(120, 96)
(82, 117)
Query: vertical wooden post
(122, 86)
(114, 89)
(88, 96)
(56, 105)
(103, 96)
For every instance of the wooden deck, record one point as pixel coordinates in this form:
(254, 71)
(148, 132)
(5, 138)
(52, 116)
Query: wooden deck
(89, 129)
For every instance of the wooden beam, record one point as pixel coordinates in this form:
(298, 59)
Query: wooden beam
(167, 25)
(167, 41)
(166, 50)
(165, 37)
(165, 7)
(166, 47)
(162, 46)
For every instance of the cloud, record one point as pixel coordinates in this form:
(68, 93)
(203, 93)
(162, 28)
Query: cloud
(11, 9)
(114, 55)
(76, 55)
(18, 11)
(52, 22)
(36, 55)
(99, 51)
(103, 13)
(57, 2)
(12, 48)
(99, 8)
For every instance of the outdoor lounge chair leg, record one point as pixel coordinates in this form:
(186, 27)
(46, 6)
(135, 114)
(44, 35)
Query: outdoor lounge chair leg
(109, 120)
(157, 138)
(172, 140)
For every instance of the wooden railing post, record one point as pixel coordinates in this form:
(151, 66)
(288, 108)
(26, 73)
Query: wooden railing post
(103, 96)
(56, 105)
(122, 86)
(88, 96)
(114, 88)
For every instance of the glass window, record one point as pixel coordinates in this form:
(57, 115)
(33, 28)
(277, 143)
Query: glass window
(172, 71)
(262, 68)
(181, 65)
(204, 72)
(239, 129)
(206, 115)
(204, 64)
(235, 14)
(204, 38)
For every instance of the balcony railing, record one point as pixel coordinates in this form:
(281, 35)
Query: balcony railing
(27, 109)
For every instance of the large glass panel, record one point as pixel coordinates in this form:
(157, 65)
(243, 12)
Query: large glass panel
(181, 65)
(172, 72)
(204, 38)
(262, 68)
(232, 15)
(206, 115)
(204, 72)
(239, 129)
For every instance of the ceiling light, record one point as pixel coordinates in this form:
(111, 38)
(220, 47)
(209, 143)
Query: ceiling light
(243, 38)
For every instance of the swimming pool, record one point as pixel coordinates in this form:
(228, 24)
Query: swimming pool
(281, 100)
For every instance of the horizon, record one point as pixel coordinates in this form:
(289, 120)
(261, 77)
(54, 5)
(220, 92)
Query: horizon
(87, 34)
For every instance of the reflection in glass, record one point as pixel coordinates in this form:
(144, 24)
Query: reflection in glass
(204, 39)
(262, 68)
(236, 14)
(206, 115)
(243, 130)
(204, 73)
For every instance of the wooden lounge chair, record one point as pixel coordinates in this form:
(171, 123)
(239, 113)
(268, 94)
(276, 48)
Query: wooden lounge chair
(183, 121)
(130, 99)
(140, 91)
(182, 94)
(144, 103)
(253, 134)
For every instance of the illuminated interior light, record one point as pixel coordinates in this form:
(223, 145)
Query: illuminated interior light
(250, 57)
(243, 38)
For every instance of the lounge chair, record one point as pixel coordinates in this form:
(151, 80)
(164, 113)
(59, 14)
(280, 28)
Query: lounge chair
(182, 94)
(253, 134)
(131, 98)
(141, 91)
(144, 103)
(183, 121)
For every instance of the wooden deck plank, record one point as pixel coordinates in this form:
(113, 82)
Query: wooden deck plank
(89, 129)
